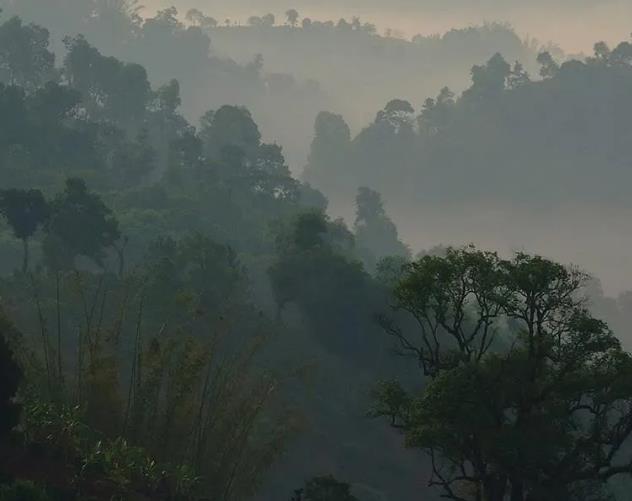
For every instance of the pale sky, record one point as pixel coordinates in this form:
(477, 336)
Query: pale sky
(573, 24)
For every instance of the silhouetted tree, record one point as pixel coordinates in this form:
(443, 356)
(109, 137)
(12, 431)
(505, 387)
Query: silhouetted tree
(168, 97)
(398, 113)
(488, 81)
(271, 176)
(25, 211)
(229, 126)
(621, 54)
(376, 235)
(548, 66)
(518, 76)
(601, 51)
(329, 152)
(335, 294)
(268, 20)
(198, 18)
(436, 113)
(292, 17)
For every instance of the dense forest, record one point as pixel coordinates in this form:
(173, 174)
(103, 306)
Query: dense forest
(518, 147)
(184, 317)
(571, 119)
(285, 69)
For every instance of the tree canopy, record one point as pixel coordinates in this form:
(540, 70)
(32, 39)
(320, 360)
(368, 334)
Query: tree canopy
(199, 322)
(25, 211)
(529, 395)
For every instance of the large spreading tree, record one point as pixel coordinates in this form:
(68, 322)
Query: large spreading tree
(528, 396)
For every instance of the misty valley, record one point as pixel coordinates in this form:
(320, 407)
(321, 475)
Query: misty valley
(274, 257)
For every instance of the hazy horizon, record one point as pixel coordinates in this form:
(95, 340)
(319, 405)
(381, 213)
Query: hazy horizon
(574, 26)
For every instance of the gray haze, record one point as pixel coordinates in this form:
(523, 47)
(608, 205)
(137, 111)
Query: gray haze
(574, 24)
(356, 76)
(270, 174)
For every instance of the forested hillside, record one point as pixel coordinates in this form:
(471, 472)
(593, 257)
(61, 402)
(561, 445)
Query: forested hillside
(156, 263)
(184, 318)
(544, 156)
(284, 70)
(358, 67)
(539, 137)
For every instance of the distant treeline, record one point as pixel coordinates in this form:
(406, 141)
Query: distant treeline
(285, 69)
(511, 138)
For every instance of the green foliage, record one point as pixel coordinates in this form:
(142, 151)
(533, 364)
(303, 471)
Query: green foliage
(58, 428)
(154, 379)
(25, 212)
(111, 90)
(334, 294)
(145, 405)
(132, 162)
(256, 172)
(122, 464)
(194, 276)
(63, 434)
(39, 135)
(81, 225)
(528, 393)
(25, 59)
(23, 491)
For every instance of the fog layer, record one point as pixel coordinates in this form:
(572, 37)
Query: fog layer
(575, 25)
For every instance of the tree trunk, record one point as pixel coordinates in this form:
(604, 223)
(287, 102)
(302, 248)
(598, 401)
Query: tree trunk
(25, 257)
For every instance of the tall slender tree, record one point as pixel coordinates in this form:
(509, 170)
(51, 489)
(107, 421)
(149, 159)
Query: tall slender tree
(25, 211)
(292, 17)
